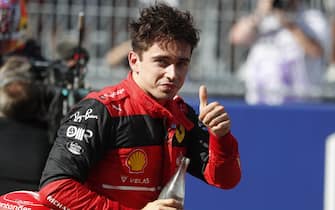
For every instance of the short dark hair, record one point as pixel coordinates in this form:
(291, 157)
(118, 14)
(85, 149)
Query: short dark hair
(162, 23)
(19, 96)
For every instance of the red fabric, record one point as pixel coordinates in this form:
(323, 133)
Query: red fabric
(75, 196)
(171, 111)
(21, 200)
(223, 168)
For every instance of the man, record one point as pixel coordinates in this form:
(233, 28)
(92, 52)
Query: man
(288, 51)
(118, 147)
(24, 145)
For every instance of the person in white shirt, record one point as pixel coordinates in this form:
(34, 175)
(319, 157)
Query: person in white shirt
(289, 44)
(330, 9)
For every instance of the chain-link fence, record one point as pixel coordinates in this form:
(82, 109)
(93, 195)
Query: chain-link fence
(214, 62)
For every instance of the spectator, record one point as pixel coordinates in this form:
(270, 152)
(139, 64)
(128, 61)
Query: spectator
(117, 148)
(289, 45)
(24, 144)
(13, 22)
(330, 8)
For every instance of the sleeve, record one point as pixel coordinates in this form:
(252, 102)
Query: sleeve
(316, 26)
(80, 143)
(70, 194)
(214, 160)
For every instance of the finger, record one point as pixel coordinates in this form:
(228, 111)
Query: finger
(202, 97)
(211, 111)
(175, 204)
(220, 118)
(221, 129)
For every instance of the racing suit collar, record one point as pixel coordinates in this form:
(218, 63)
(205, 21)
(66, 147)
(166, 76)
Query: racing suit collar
(174, 110)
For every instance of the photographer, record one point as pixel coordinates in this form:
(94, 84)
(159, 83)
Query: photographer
(288, 50)
(24, 142)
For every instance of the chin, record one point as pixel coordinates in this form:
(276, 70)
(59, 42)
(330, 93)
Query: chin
(164, 97)
(164, 94)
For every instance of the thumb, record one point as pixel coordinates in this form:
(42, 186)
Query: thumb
(202, 97)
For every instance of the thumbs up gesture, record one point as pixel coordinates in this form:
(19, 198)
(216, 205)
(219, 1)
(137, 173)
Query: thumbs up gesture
(213, 115)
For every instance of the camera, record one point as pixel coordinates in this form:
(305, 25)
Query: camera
(62, 72)
(62, 85)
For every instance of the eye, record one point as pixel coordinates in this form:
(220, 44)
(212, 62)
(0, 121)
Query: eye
(183, 63)
(162, 62)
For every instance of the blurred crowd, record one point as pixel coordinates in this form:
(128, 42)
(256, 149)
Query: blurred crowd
(289, 52)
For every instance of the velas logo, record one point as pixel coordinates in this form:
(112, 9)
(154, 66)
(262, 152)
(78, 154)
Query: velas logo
(137, 160)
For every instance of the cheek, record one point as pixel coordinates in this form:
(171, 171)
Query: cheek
(151, 73)
(181, 80)
(183, 74)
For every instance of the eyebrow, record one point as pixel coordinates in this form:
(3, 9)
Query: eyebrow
(184, 59)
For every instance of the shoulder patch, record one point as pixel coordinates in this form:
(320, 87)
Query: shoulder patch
(109, 94)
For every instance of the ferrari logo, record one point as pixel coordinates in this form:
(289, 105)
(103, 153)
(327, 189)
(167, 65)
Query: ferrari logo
(180, 133)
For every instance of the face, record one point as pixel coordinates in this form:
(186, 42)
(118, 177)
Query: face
(162, 70)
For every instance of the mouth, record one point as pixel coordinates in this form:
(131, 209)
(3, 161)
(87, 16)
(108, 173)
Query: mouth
(168, 86)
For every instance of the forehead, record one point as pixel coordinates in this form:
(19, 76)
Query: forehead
(171, 49)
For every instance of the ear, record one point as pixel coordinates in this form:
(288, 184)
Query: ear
(133, 60)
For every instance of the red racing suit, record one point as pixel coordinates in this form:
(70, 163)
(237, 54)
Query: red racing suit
(118, 147)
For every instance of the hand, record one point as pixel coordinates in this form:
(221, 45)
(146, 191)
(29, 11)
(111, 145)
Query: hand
(164, 204)
(213, 115)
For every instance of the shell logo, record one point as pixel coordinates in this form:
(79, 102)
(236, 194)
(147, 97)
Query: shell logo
(180, 133)
(137, 161)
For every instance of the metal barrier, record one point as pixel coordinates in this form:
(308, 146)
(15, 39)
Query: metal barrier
(329, 183)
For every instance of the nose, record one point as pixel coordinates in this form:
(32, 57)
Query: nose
(171, 72)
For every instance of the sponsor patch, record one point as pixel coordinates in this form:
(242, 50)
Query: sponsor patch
(79, 133)
(77, 117)
(126, 179)
(117, 107)
(137, 161)
(21, 200)
(123, 178)
(74, 148)
(57, 203)
(113, 94)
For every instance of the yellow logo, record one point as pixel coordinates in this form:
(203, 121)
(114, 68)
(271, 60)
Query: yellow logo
(137, 161)
(180, 133)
